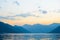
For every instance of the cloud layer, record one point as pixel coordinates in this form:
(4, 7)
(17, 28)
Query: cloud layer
(30, 11)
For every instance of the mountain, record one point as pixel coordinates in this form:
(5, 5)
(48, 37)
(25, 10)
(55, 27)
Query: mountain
(6, 28)
(39, 28)
(20, 28)
(56, 30)
(36, 28)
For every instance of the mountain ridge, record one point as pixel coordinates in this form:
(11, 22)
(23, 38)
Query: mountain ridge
(6, 28)
(36, 28)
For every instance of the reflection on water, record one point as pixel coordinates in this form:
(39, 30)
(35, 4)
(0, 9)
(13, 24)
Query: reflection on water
(30, 36)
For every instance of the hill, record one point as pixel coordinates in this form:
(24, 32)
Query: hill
(6, 28)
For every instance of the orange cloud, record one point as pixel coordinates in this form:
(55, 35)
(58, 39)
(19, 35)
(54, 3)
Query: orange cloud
(32, 20)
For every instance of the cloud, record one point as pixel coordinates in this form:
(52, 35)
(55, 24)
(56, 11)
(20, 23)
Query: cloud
(7, 18)
(2, 17)
(24, 14)
(57, 11)
(43, 11)
(27, 11)
(17, 3)
(0, 7)
(32, 20)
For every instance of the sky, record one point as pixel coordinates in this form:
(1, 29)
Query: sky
(20, 12)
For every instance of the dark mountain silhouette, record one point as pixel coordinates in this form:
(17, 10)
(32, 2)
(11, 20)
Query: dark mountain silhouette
(6, 28)
(56, 30)
(36, 28)
(19, 28)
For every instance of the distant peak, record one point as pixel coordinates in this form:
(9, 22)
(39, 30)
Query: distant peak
(1, 22)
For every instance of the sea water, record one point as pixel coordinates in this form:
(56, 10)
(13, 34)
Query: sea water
(30, 36)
